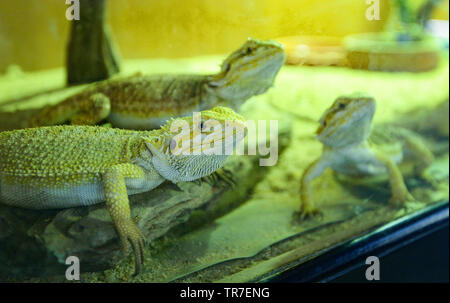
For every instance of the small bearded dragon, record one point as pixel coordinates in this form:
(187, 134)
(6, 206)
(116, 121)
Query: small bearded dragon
(145, 102)
(352, 148)
(68, 166)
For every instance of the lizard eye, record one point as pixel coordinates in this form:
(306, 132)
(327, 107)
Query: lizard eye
(342, 105)
(173, 144)
(249, 50)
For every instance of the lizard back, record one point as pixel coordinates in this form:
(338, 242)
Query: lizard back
(154, 95)
(65, 154)
(62, 166)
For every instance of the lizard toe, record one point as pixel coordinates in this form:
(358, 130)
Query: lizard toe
(138, 243)
(130, 233)
(402, 199)
(306, 213)
(221, 175)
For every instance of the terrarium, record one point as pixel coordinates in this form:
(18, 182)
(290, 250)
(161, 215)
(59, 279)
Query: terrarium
(185, 141)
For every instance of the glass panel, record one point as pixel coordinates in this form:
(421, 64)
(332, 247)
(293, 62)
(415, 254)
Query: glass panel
(344, 105)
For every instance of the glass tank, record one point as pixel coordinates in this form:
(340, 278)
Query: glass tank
(186, 141)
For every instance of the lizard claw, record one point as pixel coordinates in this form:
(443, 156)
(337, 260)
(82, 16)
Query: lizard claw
(221, 175)
(129, 232)
(226, 176)
(306, 213)
(198, 182)
(406, 201)
(401, 199)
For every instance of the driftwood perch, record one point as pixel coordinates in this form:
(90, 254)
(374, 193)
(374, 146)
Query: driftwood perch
(91, 55)
(37, 243)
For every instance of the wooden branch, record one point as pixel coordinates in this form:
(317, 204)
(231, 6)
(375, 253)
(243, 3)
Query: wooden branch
(91, 55)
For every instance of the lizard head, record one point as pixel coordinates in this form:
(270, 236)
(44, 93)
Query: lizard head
(190, 148)
(249, 71)
(347, 121)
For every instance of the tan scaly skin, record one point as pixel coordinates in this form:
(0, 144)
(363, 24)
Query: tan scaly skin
(351, 148)
(68, 166)
(145, 102)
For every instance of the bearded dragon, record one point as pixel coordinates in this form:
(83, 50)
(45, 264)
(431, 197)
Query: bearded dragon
(352, 148)
(68, 166)
(145, 102)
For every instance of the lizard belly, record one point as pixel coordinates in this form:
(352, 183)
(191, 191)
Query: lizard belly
(128, 121)
(46, 197)
(360, 162)
(360, 169)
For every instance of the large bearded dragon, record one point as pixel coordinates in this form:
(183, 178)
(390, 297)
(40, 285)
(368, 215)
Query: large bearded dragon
(145, 102)
(70, 166)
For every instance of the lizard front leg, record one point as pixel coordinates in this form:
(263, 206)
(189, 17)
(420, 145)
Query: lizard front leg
(77, 110)
(400, 194)
(119, 209)
(314, 170)
(422, 154)
(92, 110)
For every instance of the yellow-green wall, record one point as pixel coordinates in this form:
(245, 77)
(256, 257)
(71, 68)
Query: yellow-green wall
(33, 33)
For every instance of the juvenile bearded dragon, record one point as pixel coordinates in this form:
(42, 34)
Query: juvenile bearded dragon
(70, 166)
(145, 102)
(352, 148)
